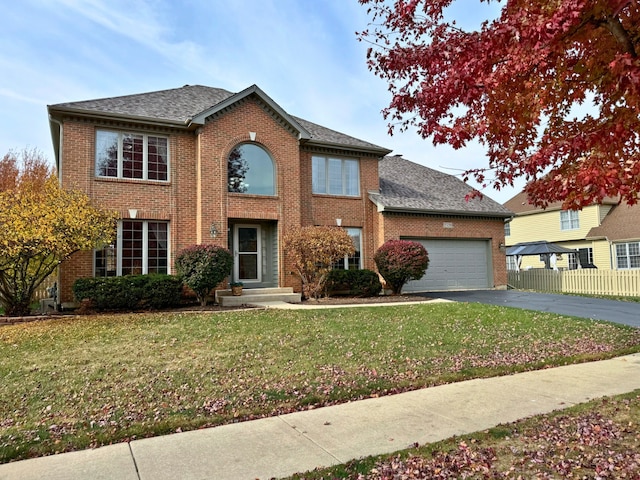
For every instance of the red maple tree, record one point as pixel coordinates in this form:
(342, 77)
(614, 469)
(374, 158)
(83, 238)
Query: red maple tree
(513, 85)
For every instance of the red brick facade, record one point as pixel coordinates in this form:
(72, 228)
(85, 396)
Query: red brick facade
(442, 227)
(196, 195)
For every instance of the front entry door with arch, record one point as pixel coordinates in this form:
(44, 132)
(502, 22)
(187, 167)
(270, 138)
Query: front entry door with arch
(247, 266)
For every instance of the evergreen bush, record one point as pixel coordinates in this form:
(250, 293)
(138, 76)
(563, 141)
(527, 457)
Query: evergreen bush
(203, 267)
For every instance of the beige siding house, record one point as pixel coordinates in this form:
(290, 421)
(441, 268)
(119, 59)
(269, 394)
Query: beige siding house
(606, 236)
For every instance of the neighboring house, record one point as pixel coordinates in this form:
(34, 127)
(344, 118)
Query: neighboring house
(605, 235)
(203, 165)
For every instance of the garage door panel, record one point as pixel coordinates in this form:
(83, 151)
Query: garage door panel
(454, 265)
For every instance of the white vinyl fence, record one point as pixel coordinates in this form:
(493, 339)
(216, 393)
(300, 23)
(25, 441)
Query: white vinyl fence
(41, 291)
(625, 283)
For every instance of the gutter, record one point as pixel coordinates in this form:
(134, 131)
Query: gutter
(124, 118)
(342, 146)
(460, 213)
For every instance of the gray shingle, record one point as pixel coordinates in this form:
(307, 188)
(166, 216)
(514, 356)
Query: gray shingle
(407, 186)
(326, 135)
(175, 105)
(179, 105)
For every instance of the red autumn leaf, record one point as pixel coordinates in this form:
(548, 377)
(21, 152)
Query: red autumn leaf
(513, 85)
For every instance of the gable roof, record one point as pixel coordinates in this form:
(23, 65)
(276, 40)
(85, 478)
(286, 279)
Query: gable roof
(189, 107)
(408, 187)
(621, 223)
(519, 204)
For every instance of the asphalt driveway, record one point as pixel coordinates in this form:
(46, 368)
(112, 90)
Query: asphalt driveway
(626, 313)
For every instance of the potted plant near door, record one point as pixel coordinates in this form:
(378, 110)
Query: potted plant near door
(236, 288)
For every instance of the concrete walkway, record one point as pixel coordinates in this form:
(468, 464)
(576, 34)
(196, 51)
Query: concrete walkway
(283, 445)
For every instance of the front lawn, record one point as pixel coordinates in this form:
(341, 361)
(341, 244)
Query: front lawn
(87, 381)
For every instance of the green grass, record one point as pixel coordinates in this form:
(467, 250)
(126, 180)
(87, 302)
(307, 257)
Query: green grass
(68, 384)
(597, 439)
(618, 298)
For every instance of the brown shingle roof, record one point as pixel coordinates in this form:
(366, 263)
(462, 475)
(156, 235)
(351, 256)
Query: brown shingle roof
(621, 223)
(409, 187)
(519, 204)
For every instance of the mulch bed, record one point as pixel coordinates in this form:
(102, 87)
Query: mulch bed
(366, 300)
(4, 320)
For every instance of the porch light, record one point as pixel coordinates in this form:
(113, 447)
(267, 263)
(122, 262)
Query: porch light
(502, 247)
(213, 230)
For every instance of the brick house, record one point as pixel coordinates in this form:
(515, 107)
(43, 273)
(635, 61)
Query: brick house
(203, 165)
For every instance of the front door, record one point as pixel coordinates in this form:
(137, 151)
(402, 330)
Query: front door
(247, 249)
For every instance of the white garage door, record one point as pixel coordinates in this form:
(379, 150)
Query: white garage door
(454, 265)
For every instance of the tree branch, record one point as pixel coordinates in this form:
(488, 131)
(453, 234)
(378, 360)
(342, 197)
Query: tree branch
(616, 29)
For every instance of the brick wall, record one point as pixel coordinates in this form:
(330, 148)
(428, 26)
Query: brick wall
(196, 196)
(396, 226)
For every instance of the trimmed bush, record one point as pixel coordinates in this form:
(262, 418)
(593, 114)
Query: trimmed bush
(203, 267)
(399, 261)
(163, 291)
(356, 283)
(129, 292)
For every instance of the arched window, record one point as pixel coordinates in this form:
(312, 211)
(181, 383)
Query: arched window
(250, 170)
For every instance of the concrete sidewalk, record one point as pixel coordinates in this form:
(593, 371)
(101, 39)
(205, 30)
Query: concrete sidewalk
(297, 442)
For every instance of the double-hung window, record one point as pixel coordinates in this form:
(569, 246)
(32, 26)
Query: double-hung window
(628, 255)
(335, 176)
(141, 246)
(569, 220)
(132, 155)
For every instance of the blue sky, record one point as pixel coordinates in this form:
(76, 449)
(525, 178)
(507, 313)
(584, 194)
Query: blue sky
(303, 53)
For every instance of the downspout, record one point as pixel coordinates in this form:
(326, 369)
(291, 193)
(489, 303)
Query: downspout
(198, 187)
(57, 302)
(59, 153)
(612, 254)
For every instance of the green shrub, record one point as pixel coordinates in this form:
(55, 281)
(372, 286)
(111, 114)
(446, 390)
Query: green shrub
(399, 261)
(357, 283)
(203, 267)
(129, 292)
(163, 291)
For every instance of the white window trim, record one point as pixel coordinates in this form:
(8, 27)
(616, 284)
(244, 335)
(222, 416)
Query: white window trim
(145, 156)
(343, 172)
(571, 220)
(359, 246)
(627, 255)
(145, 249)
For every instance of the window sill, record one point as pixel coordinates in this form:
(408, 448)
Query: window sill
(252, 196)
(135, 181)
(328, 195)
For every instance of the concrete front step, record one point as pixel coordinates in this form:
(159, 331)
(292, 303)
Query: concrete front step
(257, 295)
